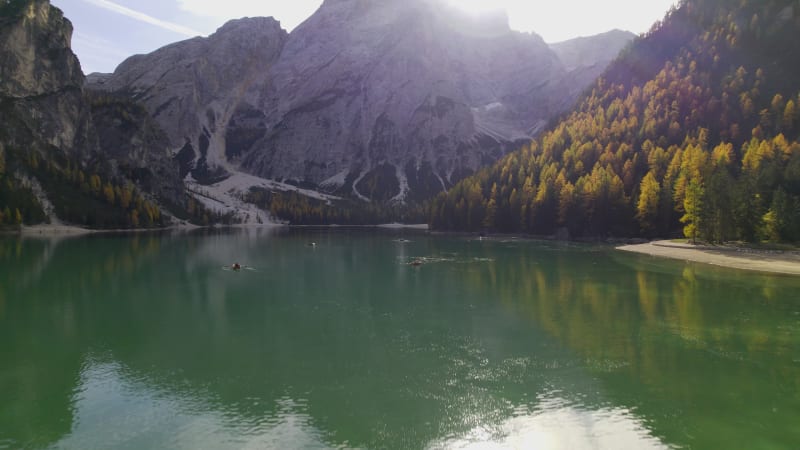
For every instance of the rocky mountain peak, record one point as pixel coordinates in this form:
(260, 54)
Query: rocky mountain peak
(438, 12)
(247, 31)
(379, 100)
(35, 50)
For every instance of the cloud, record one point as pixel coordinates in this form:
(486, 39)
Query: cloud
(289, 13)
(142, 17)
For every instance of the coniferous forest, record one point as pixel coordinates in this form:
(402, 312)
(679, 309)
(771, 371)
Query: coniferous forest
(693, 129)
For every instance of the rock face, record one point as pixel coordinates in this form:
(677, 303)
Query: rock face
(389, 100)
(41, 79)
(36, 58)
(586, 58)
(136, 147)
(44, 109)
(406, 98)
(193, 88)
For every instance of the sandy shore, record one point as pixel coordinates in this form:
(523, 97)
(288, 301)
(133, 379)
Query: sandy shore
(736, 258)
(54, 230)
(61, 230)
(400, 226)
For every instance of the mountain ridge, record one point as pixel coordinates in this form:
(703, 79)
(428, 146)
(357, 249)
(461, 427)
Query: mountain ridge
(362, 110)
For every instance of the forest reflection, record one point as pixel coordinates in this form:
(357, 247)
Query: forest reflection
(717, 345)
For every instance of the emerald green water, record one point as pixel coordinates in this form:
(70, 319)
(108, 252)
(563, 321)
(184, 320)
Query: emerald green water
(146, 341)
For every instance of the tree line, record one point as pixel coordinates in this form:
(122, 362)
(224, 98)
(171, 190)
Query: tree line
(298, 209)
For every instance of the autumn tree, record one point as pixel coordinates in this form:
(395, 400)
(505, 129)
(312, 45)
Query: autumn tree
(693, 211)
(490, 217)
(108, 193)
(647, 209)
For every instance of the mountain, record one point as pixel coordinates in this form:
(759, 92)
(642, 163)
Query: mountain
(586, 58)
(592, 52)
(41, 79)
(194, 88)
(390, 100)
(64, 154)
(694, 125)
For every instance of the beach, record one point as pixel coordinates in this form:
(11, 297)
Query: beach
(783, 262)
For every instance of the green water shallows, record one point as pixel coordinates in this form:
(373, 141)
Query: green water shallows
(148, 341)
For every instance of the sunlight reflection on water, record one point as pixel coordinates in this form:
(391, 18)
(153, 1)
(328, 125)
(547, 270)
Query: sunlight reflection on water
(116, 409)
(110, 400)
(558, 425)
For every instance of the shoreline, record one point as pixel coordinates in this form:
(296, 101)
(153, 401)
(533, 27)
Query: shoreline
(63, 230)
(776, 262)
(765, 261)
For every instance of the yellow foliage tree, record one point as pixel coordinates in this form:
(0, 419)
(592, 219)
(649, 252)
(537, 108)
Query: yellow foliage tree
(95, 184)
(647, 207)
(108, 192)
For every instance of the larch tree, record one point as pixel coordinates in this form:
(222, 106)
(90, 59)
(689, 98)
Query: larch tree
(647, 208)
(693, 208)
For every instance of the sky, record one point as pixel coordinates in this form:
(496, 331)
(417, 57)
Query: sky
(108, 31)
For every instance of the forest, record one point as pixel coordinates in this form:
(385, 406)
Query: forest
(297, 209)
(693, 130)
(85, 192)
(77, 195)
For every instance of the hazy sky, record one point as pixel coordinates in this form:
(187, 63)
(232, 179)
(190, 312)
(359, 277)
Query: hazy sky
(108, 31)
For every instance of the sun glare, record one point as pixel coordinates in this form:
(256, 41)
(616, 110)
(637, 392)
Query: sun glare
(565, 19)
(478, 7)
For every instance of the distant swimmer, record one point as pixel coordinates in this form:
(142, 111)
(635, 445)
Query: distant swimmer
(312, 244)
(236, 266)
(415, 263)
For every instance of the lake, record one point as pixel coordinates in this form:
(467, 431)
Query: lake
(151, 341)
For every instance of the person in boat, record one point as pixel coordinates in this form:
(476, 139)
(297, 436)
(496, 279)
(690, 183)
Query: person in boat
(236, 266)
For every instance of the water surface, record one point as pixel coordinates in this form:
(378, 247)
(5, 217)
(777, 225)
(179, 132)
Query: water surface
(150, 341)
